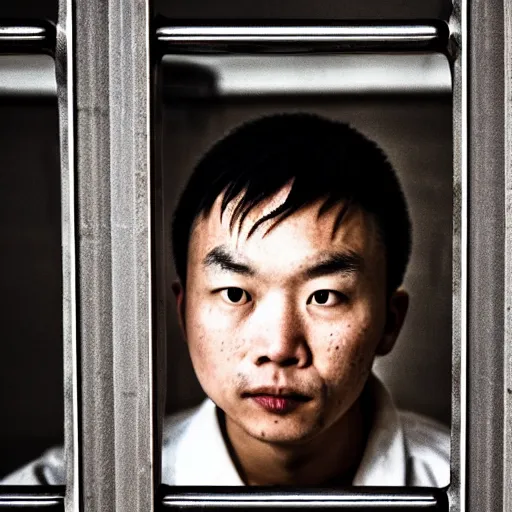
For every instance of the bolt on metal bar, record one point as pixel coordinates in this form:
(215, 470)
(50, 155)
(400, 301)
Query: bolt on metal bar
(305, 38)
(17, 37)
(20, 498)
(365, 498)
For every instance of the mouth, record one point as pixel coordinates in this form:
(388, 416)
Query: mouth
(277, 402)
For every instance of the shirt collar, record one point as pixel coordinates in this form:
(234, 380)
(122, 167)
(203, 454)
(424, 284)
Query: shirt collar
(202, 457)
(384, 458)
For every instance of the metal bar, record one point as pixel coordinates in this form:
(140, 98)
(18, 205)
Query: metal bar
(486, 257)
(64, 71)
(305, 38)
(33, 76)
(16, 37)
(366, 498)
(213, 76)
(112, 168)
(507, 415)
(18, 498)
(459, 49)
(130, 90)
(91, 132)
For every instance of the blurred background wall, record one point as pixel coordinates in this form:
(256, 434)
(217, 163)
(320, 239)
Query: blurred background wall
(415, 131)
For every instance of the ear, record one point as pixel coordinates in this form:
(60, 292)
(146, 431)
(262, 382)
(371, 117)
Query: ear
(179, 293)
(398, 304)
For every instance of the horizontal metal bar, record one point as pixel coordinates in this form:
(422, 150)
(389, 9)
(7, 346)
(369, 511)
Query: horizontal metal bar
(17, 498)
(260, 498)
(192, 76)
(326, 37)
(17, 37)
(210, 76)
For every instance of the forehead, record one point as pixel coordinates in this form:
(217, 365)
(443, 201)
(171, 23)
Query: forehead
(286, 246)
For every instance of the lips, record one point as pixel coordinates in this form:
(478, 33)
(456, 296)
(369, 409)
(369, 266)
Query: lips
(277, 403)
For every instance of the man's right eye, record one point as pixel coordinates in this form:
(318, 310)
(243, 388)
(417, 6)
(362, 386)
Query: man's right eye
(236, 296)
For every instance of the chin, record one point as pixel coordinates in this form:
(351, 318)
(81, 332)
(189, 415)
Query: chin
(284, 432)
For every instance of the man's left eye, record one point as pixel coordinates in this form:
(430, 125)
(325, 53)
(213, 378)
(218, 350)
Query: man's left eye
(325, 298)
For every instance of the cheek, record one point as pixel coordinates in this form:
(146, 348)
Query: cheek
(210, 336)
(345, 352)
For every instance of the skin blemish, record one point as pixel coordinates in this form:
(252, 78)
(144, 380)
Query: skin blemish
(337, 347)
(262, 434)
(275, 421)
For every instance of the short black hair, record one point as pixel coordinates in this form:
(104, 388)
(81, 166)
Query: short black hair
(326, 160)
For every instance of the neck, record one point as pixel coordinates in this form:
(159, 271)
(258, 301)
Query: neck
(330, 458)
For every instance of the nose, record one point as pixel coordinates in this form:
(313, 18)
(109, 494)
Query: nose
(280, 335)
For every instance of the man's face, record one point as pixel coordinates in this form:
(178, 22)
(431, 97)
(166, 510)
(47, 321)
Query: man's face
(283, 326)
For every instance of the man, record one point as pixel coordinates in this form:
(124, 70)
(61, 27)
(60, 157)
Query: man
(291, 241)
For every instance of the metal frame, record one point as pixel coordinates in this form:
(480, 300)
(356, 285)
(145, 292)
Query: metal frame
(487, 337)
(16, 37)
(507, 356)
(458, 46)
(108, 320)
(107, 258)
(314, 39)
(51, 499)
(320, 37)
(362, 498)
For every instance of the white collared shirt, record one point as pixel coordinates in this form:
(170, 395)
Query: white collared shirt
(403, 449)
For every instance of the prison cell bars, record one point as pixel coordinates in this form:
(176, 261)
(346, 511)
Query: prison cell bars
(308, 38)
(97, 74)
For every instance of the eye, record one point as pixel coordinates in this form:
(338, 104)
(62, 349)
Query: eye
(236, 296)
(326, 298)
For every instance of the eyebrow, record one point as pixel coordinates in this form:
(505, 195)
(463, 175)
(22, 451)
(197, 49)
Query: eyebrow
(337, 263)
(221, 258)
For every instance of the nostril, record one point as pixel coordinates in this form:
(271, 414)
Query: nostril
(262, 360)
(291, 361)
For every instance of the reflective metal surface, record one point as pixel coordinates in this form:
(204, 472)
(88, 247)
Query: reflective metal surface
(238, 75)
(27, 38)
(328, 37)
(507, 415)
(459, 53)
(32, 498)
(366, 498)
(65, 78)
(205, 76)
(109, 186)
(487, 218)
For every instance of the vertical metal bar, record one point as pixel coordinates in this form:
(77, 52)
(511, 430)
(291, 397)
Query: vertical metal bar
(507, 459)
(130, 152)
(65, 91)
(91, 62)
(486, 257)
(112, 85)
(458, 43)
